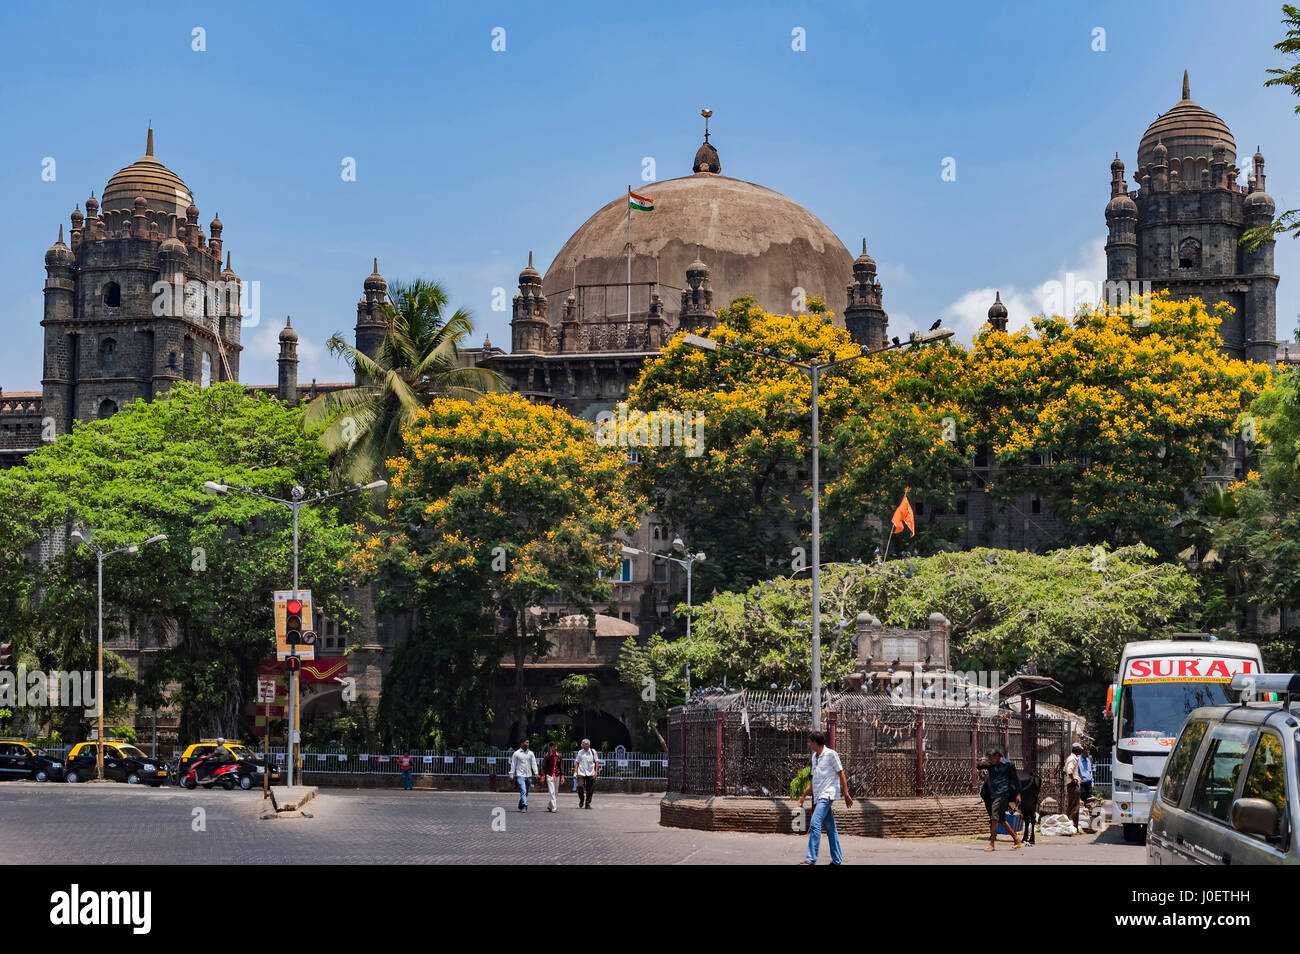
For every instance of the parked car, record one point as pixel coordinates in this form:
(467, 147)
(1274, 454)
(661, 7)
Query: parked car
(1229, 790)
(251, 764)
(123, 762)
(19, 759)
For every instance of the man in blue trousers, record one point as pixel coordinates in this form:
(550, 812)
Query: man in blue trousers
(826, 784)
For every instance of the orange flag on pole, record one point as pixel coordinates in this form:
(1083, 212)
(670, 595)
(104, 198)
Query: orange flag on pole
(904, 516)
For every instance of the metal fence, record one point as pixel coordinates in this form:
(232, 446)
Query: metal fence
(633, 765)
(614, 764)
(756, 743)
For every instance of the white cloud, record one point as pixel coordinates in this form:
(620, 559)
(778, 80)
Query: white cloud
(1056, 294)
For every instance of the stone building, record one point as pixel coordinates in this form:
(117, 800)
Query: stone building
(1181, 228)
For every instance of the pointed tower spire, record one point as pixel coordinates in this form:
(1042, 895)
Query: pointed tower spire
(60, 234)
(1187, 89)
(148, 146)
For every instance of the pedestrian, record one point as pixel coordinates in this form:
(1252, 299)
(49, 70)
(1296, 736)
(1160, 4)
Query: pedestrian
(826, 783)
(1003, 784)
(1072, 783)
(523, 768)
(553, 772)
(404, 763)
(1085, 775)
(586, 766)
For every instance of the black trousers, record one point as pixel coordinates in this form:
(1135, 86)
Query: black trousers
(585, 785)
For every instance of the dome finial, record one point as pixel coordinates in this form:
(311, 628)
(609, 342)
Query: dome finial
(1187, 88)
(706, 113)
(148, 146)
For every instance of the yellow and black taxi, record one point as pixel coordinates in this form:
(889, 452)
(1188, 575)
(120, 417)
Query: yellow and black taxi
(123, 762)
(251, 766)
(20, 759)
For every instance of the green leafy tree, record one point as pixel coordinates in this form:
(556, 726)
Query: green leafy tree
(418, 360)
(1288, 78)
(1007, 609)
(205, 593)
(498, 507)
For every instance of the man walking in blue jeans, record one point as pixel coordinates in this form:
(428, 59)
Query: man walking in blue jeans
(523, 767)
(826, 784)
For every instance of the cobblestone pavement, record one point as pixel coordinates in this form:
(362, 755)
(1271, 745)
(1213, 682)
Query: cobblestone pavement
(96, 824)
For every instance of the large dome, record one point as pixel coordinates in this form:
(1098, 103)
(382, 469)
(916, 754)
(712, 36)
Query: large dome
(755, 241)
(163, 190)
(1187, 130)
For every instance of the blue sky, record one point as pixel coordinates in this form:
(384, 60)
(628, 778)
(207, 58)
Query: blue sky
(468, 158)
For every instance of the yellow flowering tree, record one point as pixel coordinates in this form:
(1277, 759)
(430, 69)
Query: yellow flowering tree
(1120, 411)
(496, 506)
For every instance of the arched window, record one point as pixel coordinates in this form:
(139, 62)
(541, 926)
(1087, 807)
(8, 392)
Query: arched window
(108, 355)
(1189, 253)
(205, 371)
(107, 408)
(113, 295)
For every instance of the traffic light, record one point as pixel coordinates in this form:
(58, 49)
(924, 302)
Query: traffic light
(292, 664)
(293, 622)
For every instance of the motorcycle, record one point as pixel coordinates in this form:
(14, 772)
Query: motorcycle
(209, 771)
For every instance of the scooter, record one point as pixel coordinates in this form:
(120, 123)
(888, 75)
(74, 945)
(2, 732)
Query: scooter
(209, 771)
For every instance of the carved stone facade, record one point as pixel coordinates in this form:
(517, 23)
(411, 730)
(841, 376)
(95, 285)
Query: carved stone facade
(1182, 228)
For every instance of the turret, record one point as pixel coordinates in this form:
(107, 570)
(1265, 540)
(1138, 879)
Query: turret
(697, 297)
(998, 314)
(864, 316)
(372, 324)
(1121, 225)
(287, 383)
(529, 326)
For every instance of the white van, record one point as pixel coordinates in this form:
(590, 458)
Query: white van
(1158, 683)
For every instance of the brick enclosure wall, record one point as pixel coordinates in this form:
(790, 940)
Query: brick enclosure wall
(875, 818)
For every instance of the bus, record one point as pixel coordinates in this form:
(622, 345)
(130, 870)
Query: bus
(1158, 683)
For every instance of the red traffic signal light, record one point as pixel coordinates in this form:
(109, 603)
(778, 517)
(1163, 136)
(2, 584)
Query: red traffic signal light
(294, 607)
(292, 664)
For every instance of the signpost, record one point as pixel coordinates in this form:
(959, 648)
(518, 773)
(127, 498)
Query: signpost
(266, 695)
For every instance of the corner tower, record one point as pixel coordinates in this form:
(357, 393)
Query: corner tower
(1181, 229)
(138, 301)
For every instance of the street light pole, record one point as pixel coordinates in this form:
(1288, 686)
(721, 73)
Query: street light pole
(687, 562)
(295, 504)
(814, 370)
(83, 537)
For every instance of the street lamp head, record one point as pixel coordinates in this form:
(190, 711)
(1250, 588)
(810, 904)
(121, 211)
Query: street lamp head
(156, 538)
(212, 487)
(376, 485)
(76, 536)
(700, 556)
(297, 492)
(630, 551)
(132, 550)
(937, 334)
(678, 545)
(697, 341)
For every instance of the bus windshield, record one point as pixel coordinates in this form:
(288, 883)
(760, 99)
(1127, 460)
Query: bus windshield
(1158, 709)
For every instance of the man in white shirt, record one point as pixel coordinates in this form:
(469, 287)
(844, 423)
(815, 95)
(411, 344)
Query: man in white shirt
(585, 769)
(827, 782)
(523, 768)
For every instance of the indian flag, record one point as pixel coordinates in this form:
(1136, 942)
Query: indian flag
(640, 202)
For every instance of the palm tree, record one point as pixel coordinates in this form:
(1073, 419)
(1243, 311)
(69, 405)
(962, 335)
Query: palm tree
(417, 361)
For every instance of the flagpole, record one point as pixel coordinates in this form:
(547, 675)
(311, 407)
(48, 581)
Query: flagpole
(629, 255)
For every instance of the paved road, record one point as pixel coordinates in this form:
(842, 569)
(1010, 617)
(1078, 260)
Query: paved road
(97, 824)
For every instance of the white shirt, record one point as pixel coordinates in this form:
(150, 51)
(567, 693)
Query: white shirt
(523, 762)
(826, 770)
(585, 762)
